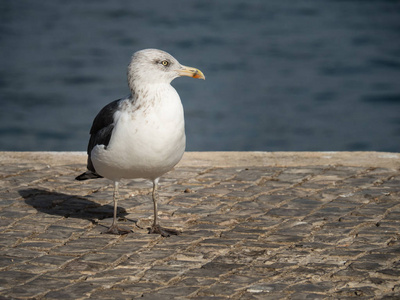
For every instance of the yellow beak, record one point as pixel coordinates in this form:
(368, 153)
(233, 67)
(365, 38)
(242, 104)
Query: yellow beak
(191, 72)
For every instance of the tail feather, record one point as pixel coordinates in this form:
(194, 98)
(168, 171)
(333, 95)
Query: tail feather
(88, 175)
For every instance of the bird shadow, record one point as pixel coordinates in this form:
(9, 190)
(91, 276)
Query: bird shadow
(69, 206)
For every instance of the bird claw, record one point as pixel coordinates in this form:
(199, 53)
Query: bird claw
(115, 229)
(165, 232)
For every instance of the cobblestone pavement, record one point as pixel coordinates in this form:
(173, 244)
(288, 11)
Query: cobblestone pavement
(325, 231)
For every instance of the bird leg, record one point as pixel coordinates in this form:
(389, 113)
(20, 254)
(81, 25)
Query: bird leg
(114, 228)
(156, 228)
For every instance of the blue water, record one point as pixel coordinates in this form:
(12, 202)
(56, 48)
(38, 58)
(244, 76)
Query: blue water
(280, 75)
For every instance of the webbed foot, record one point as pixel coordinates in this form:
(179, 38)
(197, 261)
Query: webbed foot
(115, 229)
(165, 232)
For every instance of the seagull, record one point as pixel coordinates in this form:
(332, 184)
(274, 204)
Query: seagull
(143, 134)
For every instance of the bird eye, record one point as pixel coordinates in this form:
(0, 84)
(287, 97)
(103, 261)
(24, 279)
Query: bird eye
(165, 63)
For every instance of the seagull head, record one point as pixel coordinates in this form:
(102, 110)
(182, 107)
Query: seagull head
(153, 66)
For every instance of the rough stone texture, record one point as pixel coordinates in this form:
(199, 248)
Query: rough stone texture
(254, 226)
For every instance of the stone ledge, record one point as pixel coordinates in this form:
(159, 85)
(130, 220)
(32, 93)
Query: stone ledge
(233, 159)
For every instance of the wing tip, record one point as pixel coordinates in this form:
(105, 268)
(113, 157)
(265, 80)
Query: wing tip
(88, 175)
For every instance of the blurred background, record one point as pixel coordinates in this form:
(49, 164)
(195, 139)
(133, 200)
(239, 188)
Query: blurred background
(312, 75)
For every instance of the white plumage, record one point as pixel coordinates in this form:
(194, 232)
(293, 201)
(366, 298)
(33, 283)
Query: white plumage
(143, 135)
(148, 139)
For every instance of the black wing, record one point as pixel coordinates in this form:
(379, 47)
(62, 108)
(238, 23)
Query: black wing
(102, 127)
(100, 134)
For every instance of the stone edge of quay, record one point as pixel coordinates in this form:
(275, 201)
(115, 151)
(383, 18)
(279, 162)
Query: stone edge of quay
(388, 160)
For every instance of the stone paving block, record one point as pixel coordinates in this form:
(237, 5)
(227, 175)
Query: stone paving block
(83, 267)
(266, 287)
(112, 295)
(82, 246)
(51, 261)
(31, 268)
(80, 290)
(157, 296)
(114, 276)
(14, 213)
(9, 279)
(8, 261)
(220, 289)
(160, 276)
(37, 287)
(310, 287)
(204, 273)
(271, 201)
(365, 292)
(137, 288)
(287, 212)
(391, 272)
(252, 174)
(22, 252)
(306, 296)
(175, 291)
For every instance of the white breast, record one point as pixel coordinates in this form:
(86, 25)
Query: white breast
(148, 139)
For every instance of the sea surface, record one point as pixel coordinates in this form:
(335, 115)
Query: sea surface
(305, 75)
